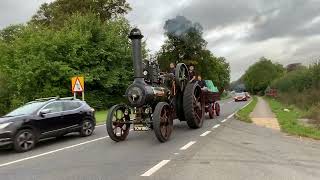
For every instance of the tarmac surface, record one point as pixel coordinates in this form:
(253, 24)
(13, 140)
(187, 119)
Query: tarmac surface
(223, 148)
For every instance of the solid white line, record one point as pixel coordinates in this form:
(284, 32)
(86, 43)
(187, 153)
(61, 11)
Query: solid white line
(187, 145)
(224, 120)
(216, 126)
(231, 115)
(51, 152)
(155, 168)
(205, 133)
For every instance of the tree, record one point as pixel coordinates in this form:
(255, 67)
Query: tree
(41, 61)
(56, 12)
(260, 75)
(9, 33)
(185, 44)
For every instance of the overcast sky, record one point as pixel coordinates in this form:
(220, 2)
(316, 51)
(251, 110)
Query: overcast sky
(286, 31)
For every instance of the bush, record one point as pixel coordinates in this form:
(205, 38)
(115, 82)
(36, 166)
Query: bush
(302, 89)
(41, 61)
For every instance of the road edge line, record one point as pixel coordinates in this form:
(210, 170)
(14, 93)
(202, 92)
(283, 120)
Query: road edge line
(155, 168)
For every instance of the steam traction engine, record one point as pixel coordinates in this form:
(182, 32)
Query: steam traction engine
(155, 99)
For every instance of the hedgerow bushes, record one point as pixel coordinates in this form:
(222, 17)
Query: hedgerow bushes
(301, 88)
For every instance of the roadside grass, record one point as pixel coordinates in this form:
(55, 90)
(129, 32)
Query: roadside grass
(101, 117)
(289, 120)
(243, 114)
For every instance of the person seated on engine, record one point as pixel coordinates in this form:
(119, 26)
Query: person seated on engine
(192, 74)
(202, 83)
(172, 68)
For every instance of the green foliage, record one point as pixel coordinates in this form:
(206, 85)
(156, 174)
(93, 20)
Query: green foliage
(301, 88)
(244, 114)
(185, 44)
(289, 120)
(101, 116)
(260, 75)
(9, 33)
(41, 61)
(56, 12)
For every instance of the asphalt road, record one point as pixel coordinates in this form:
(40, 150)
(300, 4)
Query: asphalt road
(223, 149)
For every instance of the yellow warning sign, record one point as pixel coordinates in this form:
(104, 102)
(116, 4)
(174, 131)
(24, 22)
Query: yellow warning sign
(77, 84)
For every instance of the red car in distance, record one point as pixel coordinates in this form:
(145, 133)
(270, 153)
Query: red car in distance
(240, 97)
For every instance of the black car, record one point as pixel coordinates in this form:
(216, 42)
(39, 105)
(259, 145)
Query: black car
(44, 118)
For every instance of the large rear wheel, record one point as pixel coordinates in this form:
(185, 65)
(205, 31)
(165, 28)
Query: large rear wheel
(162, 121)
(193, 106)
(118, 124)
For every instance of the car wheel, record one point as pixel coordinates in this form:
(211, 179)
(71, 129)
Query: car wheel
(87, 128)
(24, 140)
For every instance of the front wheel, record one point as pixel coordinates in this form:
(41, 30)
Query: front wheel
(118, 124)
(87, 128)
(24, 140)
(162, 121)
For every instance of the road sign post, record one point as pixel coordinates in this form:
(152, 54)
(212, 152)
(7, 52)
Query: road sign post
(77, 85)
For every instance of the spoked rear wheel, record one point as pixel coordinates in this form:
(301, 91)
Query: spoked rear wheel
(118, 124)
(217, 108)
(193, 106)
(162, 121)
(211, 111)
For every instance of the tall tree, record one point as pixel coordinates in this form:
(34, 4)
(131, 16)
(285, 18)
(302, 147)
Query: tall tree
(9, 33)
(185, 44)
(260, 75)
(56, 12)
(42, 60)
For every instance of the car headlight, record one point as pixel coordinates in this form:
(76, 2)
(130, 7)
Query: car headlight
(4, 125)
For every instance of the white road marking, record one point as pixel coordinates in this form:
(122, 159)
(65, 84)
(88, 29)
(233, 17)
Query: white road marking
(52, 152)
(155, 168)
(176, 153)
(187, 145)
(205, 133)
(224, 120)
(216, 126)
(231, 115)
(230, 101)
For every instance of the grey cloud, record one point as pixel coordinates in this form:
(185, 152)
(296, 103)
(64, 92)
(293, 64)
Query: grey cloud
(211, 14)
(17, 11)
(281, 28)
(286, 18)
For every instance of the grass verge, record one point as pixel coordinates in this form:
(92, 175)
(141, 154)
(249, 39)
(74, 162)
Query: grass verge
(289, 120)
(243, 114)
(101, 117)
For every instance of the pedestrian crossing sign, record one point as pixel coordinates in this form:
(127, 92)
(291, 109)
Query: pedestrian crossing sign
(77, 84)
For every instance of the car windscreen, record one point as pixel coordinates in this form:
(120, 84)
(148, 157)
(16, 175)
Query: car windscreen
(26, 109)
(240, 94)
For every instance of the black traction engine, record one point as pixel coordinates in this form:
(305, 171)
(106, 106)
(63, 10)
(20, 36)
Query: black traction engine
(155, 99)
